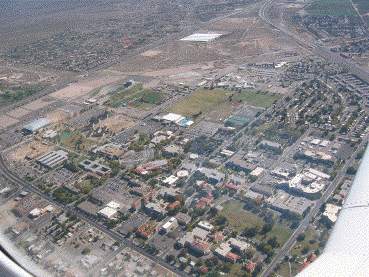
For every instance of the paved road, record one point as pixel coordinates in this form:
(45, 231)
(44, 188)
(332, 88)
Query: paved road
(229, 141)
(318, 49)
(313, 45)
(124, 242)
(107, 65)
(314, 211)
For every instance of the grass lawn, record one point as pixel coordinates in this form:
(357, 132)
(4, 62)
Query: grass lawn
(152, 97)
(201, 101)
(332, 8)
(147, 106)
(135, 97)
(236, 270)
(284, 269)
(240, 218)
(78, 142)
(85, 186)
(65, 135)
(118, 95)
(257, 99)
(300, 245)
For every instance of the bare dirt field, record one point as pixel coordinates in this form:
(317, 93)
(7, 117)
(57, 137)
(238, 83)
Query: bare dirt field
(6, 121)
(116, 123)
(84, 87)
(72, 92)
(32, 150)
(39, 104)
(18, 113)
(151, 53)
(173, 55)
(19, 74)
(57, 116)
(7, 218)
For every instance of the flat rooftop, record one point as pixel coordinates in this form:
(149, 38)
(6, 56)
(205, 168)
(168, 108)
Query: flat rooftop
(201, 37)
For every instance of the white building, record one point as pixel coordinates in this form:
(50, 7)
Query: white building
(107, 212)
(331, 211)
(170, 225)
(205, 225)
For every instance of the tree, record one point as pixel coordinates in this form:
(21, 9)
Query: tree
(266, 228)
(227, 267)
(251, 232)
(86, 251)
(213, 211)
(273, 242)
(220, 220)
(351, 170)
(305, 250)
(257, 269)
(183, 253)
(115, 167)
(169, 258)
(250, 253)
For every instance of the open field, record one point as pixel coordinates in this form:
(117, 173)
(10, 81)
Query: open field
(78, 142)
(223, 111)
(213, 101)
(201, 101)
(136, 97)
(236, 271)
(283, 269)
(116, 123)
(332, 8)
(57, 116)
(240, 218)
(153, 97)
(18, 113)
(122, 95)
(310, 241)
(257, 99)
(6, 121)
(10, 94)
(31, 151)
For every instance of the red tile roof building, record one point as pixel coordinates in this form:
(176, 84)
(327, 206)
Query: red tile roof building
(200, 246)
(251, 266)
(231, 186)
(231, 257)
(146, 231)
(218, 237)
(174, 204)
(204, 269)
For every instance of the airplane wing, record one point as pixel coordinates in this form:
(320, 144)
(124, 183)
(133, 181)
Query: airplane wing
(347, 250)
(9, 268)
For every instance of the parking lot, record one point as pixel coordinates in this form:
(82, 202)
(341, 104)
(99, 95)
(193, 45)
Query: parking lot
(135, 221)
(163, 243)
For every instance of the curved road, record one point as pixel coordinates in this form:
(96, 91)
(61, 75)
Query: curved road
(363, 74)
(313, 45)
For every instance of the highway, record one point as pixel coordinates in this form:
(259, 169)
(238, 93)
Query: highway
(123, 241)
(351, 67)
(313, 46)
